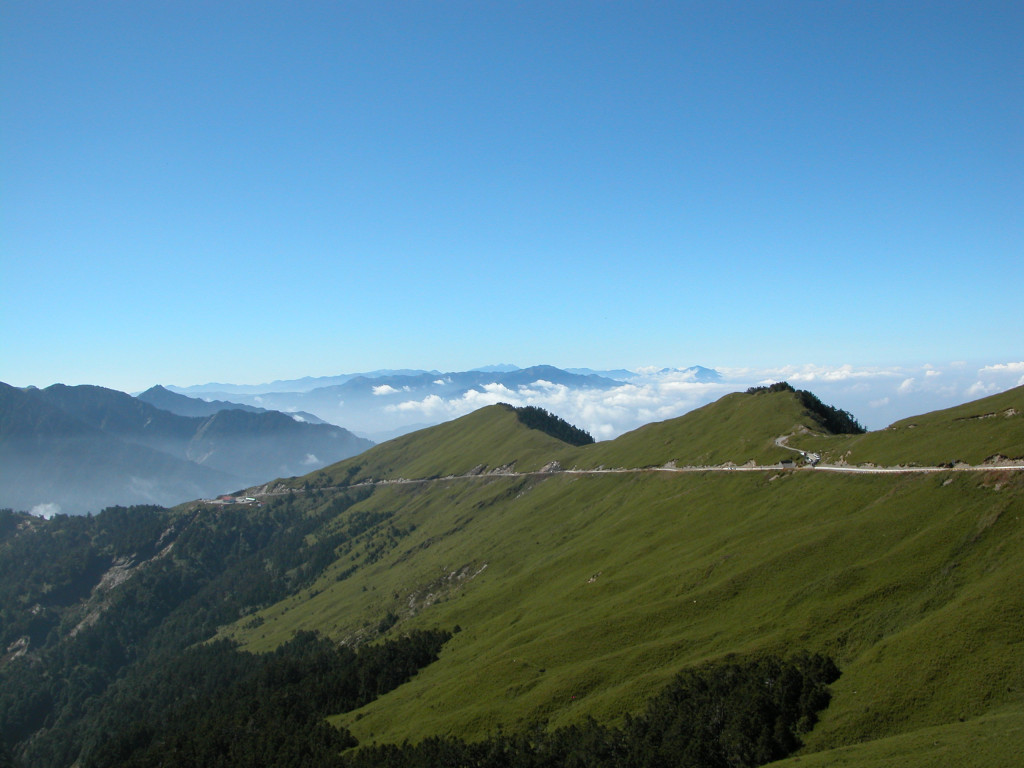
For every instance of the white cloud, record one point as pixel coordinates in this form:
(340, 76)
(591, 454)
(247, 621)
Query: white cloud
(809, 373)
(1007, 372)
(431, 405)
(384, 389)
(311, 459)
(1003, 375)
(495, 389)
(878, 395)
(542, 384)
(604, 413)
(298, 418)
(45, 510)
(1013, 368)
(981, 388)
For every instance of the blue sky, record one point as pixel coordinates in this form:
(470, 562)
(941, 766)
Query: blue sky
(243, 192)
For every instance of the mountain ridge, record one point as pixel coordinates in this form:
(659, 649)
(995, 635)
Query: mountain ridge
(85, 447)
(182, 405)
(298, 385)
(685, 440)
(52, 461)
(764, 445)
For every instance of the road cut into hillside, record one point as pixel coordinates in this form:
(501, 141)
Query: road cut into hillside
(280, 489)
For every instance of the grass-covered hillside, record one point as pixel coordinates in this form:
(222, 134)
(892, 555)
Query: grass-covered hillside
(990, 429)
(582, 594)
(486, 440)
(578, 595)
(738, 428)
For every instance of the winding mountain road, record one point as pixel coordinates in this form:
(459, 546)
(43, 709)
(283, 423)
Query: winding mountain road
(813, 465)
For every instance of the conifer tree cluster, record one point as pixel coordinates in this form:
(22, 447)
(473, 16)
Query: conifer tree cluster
(832, 419)
(218, 706)
(538, 418)
(733, 715)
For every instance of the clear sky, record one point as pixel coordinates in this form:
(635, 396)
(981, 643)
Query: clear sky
(249, 191)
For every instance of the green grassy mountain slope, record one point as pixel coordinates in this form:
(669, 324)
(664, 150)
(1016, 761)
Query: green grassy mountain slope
(990, 741)
(489, 439)
(974, 432)
(581, 594)
(576, 594)
(737, 428)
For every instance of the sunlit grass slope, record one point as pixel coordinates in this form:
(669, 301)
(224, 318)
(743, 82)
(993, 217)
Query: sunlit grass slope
(737, 428)
(972, 433)
(484, 440)
(583, 594)
(990, 741)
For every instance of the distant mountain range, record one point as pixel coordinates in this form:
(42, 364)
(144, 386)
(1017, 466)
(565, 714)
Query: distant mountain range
(79, 449)
(309, 383)
(304, 384)
(182, 405)
(696, 373)
(386, 403)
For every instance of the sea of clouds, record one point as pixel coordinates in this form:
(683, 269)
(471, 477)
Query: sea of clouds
(876, 396)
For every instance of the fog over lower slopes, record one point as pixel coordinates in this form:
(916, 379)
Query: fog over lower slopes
(608, 407)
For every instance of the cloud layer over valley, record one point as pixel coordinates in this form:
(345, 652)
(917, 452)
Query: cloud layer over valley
(609, 403)
(877, 396)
